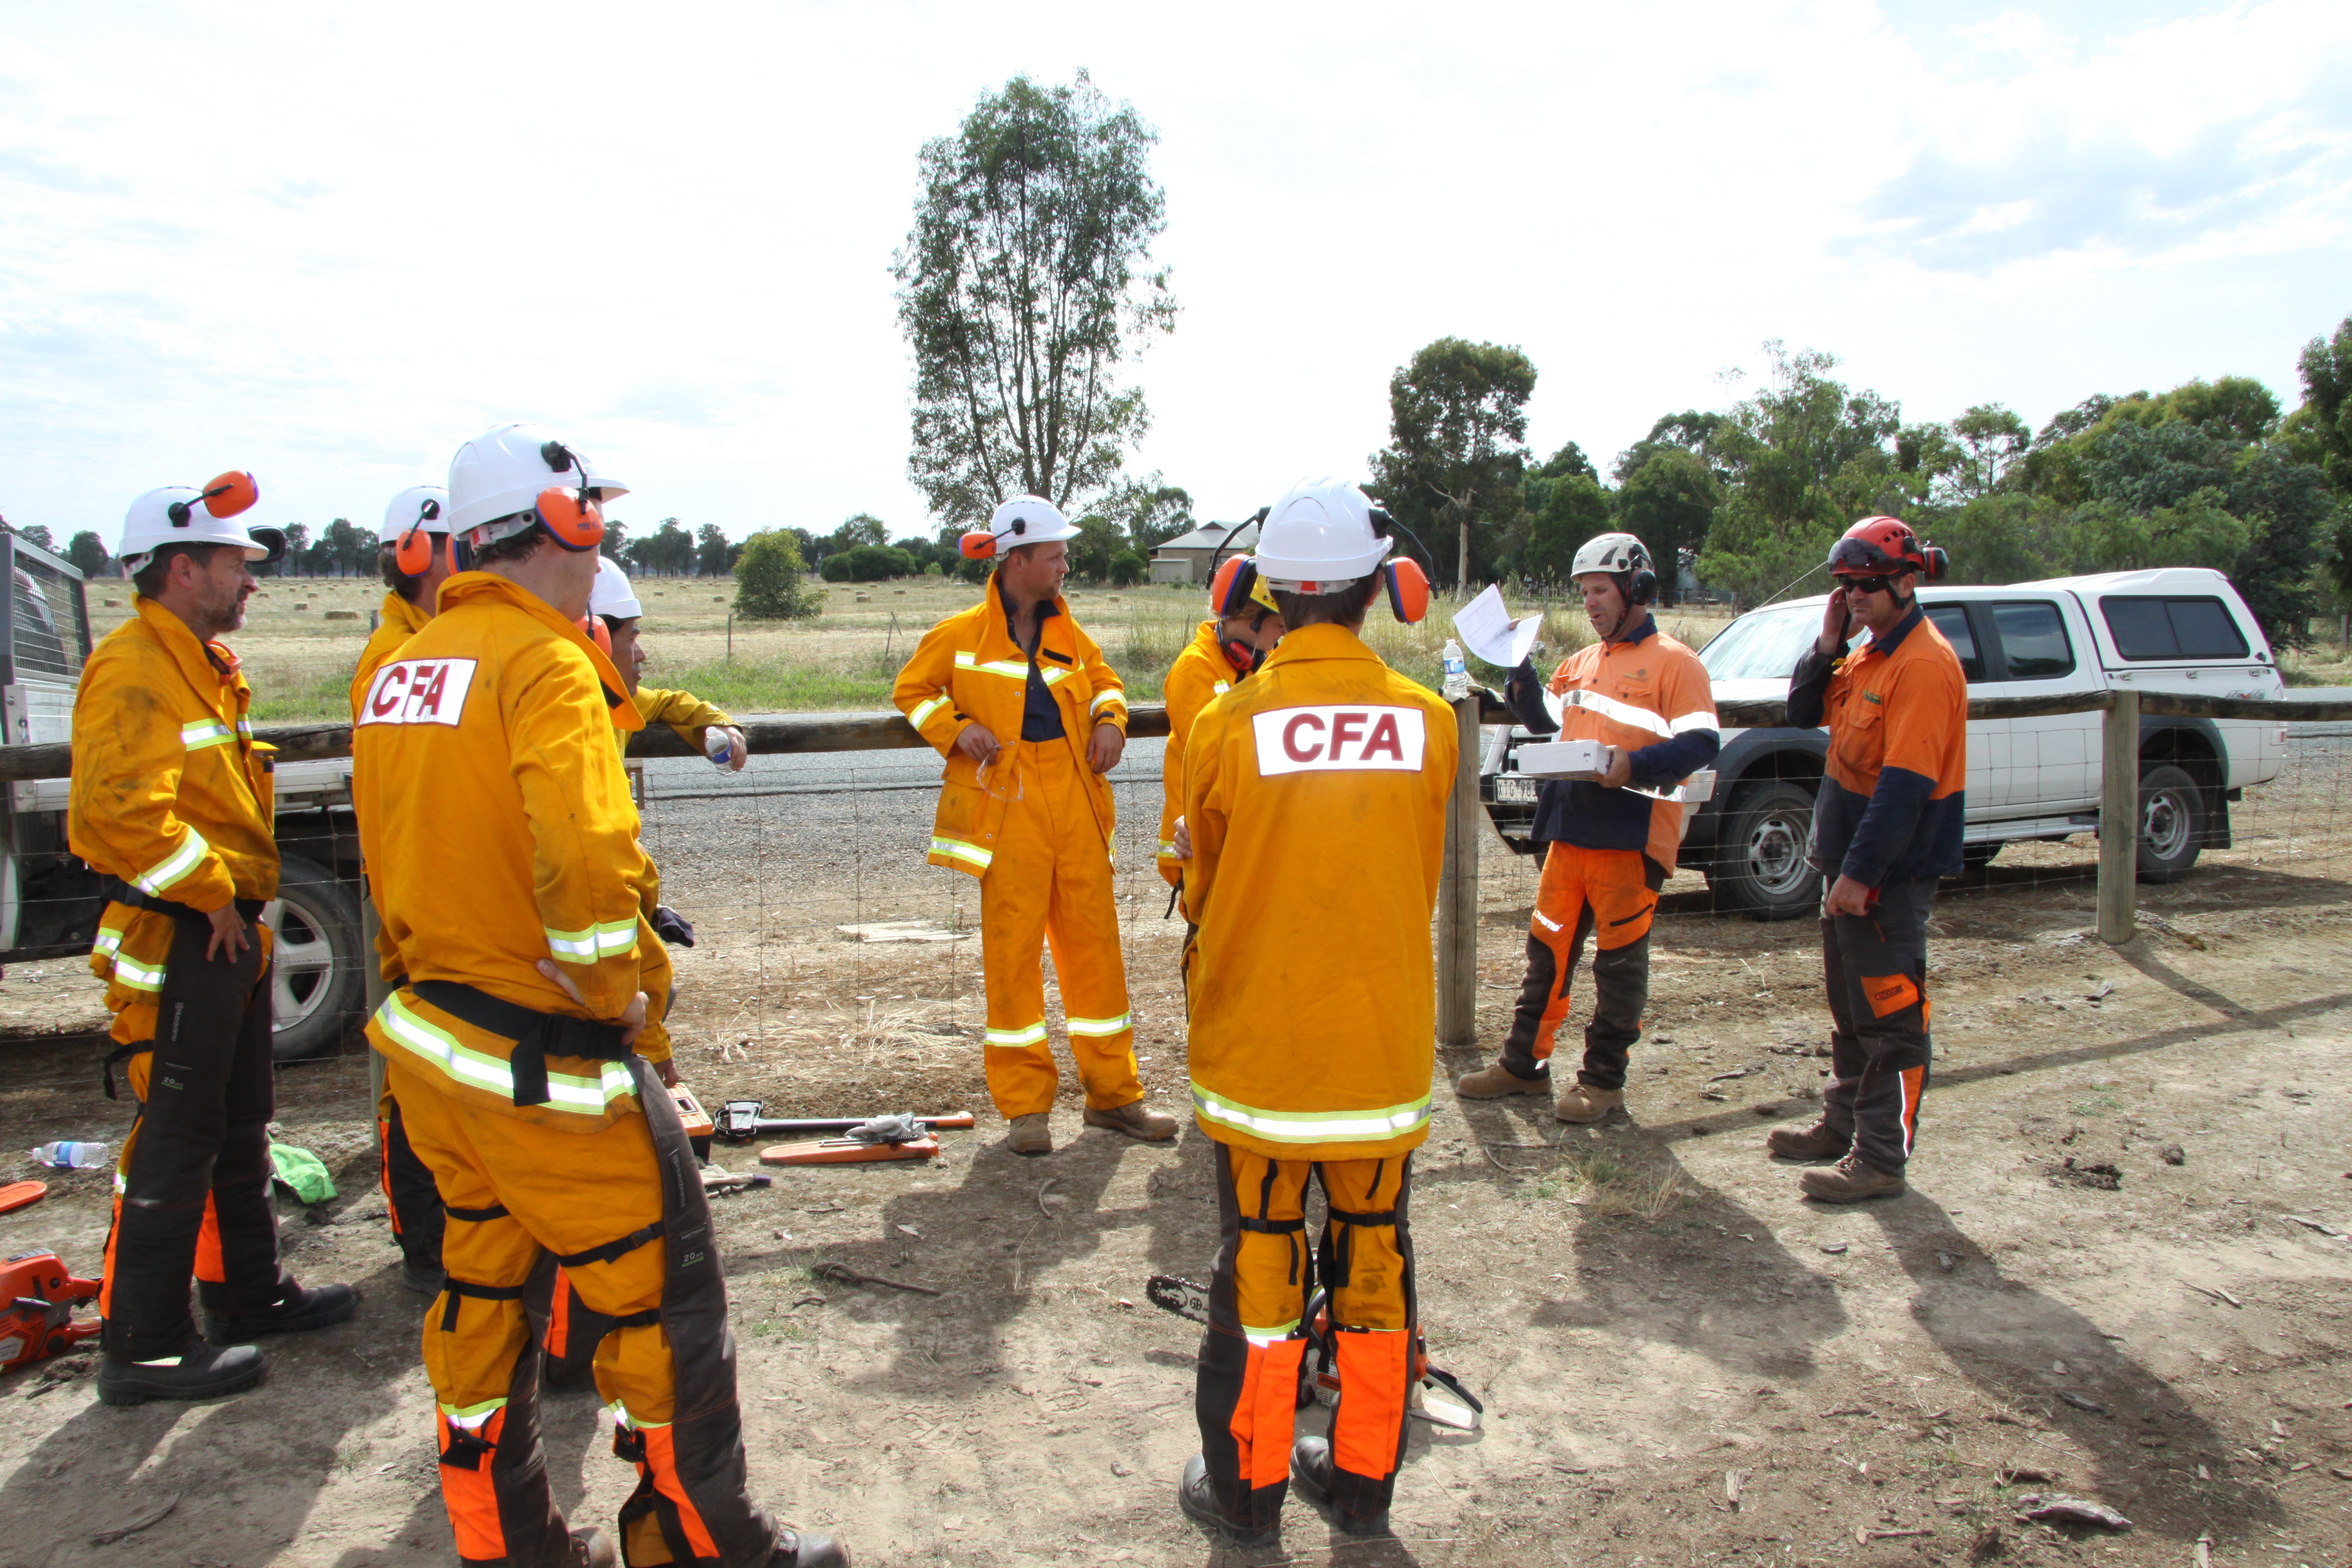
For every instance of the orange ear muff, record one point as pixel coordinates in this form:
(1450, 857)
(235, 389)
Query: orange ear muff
(977, 545)
(414, 555)
(593, 628)
(231, 493)
(1938, 562)
(571, 516)
(1408, 590)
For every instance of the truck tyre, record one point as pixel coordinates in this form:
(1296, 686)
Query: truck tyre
(317, 983)
(2172, 822)
(1759, 868)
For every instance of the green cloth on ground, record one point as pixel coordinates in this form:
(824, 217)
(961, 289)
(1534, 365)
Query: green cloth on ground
(304, 1174)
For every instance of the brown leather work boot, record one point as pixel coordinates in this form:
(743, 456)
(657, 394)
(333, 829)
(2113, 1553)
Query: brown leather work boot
(1849, 1181)
(1495, 1082)
(1031, 1134)
(1817, 1142)
(1136, 1120)
(1582, 1103)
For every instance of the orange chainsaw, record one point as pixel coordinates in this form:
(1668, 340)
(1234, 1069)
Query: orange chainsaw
(38, 1321)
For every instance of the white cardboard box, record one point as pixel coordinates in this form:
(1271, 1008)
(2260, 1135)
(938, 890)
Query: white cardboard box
(1563, 759)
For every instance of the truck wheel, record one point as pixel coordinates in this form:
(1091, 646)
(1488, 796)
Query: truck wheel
(2172, 822)
(317, 984)
(1760, 867)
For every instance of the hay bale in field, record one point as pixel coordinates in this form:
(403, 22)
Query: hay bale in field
(343, 614)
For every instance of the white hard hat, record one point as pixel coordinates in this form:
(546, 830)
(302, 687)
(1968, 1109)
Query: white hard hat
(427, 505)
(612, 596)
(1617, 553)
(177, 514)
(1320, 536)
(1028, 520)
(498, 476)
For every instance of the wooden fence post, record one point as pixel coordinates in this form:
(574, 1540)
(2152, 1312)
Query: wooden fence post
(1457, 891)
(2119, 819)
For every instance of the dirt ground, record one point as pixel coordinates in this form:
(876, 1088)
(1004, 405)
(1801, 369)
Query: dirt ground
(1648, 1309)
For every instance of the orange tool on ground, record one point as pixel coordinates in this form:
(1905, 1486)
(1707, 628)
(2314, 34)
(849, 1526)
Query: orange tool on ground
(22, 1195)
(698, 1127)
(845, 1151)
(39, 1296)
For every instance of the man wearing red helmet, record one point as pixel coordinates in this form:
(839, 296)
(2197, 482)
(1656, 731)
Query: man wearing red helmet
(1886, 824)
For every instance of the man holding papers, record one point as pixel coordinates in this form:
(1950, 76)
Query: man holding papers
(1611, 841)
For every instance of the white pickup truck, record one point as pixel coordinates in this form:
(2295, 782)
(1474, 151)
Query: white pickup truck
(50, 903)
(2177, 629)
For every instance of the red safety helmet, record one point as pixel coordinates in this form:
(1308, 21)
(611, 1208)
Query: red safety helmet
(1886, 547)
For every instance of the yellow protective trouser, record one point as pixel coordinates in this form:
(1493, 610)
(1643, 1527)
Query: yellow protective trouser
(1051, 883)
(518, 1192)
(1246, 1391)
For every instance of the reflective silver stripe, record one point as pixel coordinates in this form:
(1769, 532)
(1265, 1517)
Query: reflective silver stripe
(174, 866)
(1220, 689)
(923, 711)
(480, 1070)
(206, 733)
(1167, 849)
(1691, 722)
(1117, 697)
(964, 660)
(1096, 1028)
(620, 1417)
(469, 1417)
(109, 941)
(1011, 670)
(137, 975)
(956, 850)
(615, 936)
(245, 728)
(1035, 1035)
(572, 946)
(1622, 712)
(1275, 1335)
(1311, 1126)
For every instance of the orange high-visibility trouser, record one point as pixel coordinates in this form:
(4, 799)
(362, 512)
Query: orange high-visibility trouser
(1246, 1395)
(1610, 896)
(1050, 883)
(521, 1198)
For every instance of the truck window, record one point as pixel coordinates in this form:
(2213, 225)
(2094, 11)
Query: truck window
(1952, 620)
(2032, 640)
(2172, 629)
(1763, 645)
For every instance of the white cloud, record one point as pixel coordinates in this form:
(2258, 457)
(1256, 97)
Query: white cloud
(331, 246)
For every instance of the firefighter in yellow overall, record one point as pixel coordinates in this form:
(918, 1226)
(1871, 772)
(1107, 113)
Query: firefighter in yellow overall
(173, 799)
(502, 852)
(1612, 841)
(1019, 700)
(1315, 797)
(1242, 629)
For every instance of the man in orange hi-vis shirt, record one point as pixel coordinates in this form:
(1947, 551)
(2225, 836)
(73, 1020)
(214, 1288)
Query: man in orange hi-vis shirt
(1886, 825)
(1315, 799)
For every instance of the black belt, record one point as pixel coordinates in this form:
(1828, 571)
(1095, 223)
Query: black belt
(131, 898)
(536, 1036)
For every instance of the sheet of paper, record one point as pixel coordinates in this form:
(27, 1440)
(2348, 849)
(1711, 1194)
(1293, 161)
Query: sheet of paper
(1487, 628)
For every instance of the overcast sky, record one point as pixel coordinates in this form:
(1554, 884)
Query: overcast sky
(329, 243)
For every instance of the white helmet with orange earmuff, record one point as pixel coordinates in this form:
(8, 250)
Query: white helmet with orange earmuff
(1325, 534)
(519, 477)
(612, 596)
(1023, 519)
(417, 523)
(175, 514)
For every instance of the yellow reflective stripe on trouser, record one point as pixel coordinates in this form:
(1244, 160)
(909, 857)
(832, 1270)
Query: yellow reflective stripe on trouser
(1265, 1337)
(472, 1416)
(956, 850)
(1097, 1028)
(1035, 1035)
(109, 941)
(620, 1417)
(206, 733)
(174, 866)
(1310, 1126)
(923, 711)
(137, 975)
(462, 1064)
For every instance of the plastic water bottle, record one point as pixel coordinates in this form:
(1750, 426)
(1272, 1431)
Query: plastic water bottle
(1457, 673)
(717, 745)
(68, 1155)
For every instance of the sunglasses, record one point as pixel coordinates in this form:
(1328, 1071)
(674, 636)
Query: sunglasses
(1870, 584)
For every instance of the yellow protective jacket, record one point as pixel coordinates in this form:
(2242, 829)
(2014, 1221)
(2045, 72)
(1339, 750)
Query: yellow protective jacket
(497, 830)
(1201, 671)
(683, 711)
(397, 622)
(1314, 791)
(968, 670)
(171, 794)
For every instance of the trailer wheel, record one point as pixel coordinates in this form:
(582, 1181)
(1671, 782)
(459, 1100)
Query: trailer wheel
(317, 984)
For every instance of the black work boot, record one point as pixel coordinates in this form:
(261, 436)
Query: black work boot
(309, 1307)
(1817, 1142)
(200, 1372)
(1311, 1472)
(807, 1549)
(1198, 1497)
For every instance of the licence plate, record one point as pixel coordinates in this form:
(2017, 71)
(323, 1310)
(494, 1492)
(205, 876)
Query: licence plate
(1511, 787)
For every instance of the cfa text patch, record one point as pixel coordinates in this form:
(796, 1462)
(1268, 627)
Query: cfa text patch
(1339, 736)
(418, 691)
